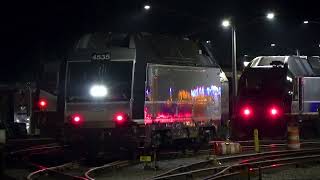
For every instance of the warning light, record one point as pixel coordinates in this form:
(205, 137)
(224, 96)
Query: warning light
(247, 111)
(76, 119)
(43, 103)
(274, 111)
(120, 117)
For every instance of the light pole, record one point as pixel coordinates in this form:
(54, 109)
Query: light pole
(228, 24)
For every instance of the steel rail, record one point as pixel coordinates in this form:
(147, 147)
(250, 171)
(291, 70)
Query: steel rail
(54, 171)
(277, 141)
(116, 164)
(36, 149)
(190, 169)
(287, 162)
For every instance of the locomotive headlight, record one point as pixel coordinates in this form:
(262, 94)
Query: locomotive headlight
(98, 91)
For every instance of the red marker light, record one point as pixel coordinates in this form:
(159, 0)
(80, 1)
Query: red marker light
(119, 118)
(274, 111)
(42, 103)
(246, 112)
(76, 119)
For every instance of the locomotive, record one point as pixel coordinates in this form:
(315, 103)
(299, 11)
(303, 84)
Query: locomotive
(275, 91)
(129, 90)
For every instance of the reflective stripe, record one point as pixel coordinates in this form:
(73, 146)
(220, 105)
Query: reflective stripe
(223, 148)
(294, 146)
(293, 138)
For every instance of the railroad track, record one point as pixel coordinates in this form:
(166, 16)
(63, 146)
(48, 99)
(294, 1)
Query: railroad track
(238, 169)
(210, 169)
(63, 171)
(91, 173)
(246, 147)
(55, 172)
(235, 165)
(38, 148)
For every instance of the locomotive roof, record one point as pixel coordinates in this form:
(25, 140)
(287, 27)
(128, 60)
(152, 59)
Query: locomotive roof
(164, 49)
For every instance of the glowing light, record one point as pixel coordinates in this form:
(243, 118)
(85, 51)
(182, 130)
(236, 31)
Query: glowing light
(270, 15)
(76, 119)
(272, 45)
(246, 112)
(184, 95)
(289, 79)
(226, 23)
(170, 93)
(305, 22)
(119, 118)
(98, 91)
(43, 103)
(206, 91)
(274, 111)
(245, 63)
(167, 117)
(147, 7)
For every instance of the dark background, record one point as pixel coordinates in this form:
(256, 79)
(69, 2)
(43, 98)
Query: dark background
(38, 31)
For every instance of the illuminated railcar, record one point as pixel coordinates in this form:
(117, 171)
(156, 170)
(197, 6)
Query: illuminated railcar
(276, 90)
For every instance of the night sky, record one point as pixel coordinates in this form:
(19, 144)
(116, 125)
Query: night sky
(38, 31)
